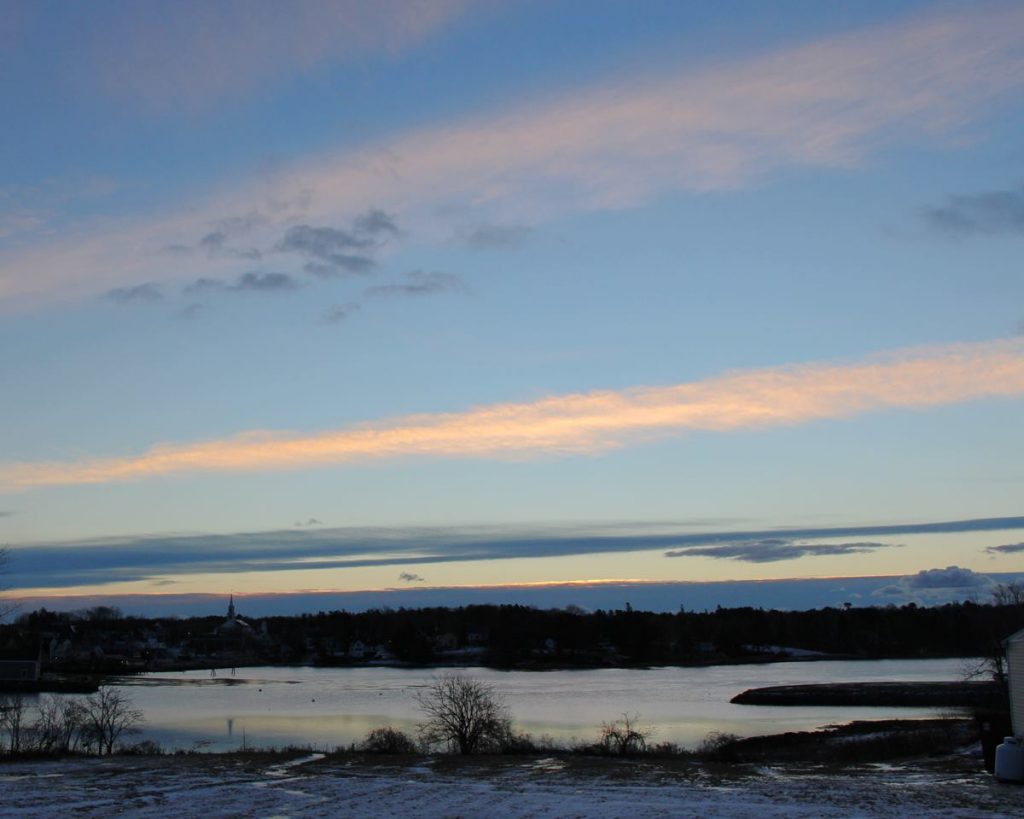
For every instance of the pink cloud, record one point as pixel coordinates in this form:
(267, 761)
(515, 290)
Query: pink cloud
(194, 54)
(829, 103)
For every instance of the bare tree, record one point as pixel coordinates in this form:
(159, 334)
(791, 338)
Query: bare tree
(12, 720)
(463, 714)
(623, 736)
(59, 726)
(1008, 594)
(106, 715)
(1008, 598)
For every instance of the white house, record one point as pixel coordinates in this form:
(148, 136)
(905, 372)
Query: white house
(1014, 645)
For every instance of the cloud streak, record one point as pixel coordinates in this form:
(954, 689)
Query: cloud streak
(206, 52)
(251, 282)
(982, 213)
(494, 237)
(147, 292)
(1006, 549)
(617, 144)
(126, 559)
(421, 283)
(775, 549)
(585, 423)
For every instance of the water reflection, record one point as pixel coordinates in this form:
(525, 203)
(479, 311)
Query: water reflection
(272, 706)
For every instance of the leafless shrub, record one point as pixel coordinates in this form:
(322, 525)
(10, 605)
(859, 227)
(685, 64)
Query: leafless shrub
(666, 749)
(387, 740)
(523, 743)
(717, 745)
(147, 747)
(624, 736)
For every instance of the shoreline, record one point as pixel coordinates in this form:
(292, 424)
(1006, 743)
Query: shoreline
(959, 694)
(299, 782)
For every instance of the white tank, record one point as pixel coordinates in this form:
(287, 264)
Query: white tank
(1010, 761)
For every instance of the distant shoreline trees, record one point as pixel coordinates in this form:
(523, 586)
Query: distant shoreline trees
(514, 636)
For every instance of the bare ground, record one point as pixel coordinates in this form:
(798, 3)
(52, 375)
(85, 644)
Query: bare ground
(356, 786)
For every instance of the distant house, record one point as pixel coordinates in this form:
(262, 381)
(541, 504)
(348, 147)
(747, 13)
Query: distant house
(1014, 646)
(357, 650)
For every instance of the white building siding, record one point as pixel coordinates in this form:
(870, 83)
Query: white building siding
(1015, 672)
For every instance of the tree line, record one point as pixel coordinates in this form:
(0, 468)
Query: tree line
(507, 636)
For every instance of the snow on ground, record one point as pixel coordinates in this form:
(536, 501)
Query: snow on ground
(314, 785)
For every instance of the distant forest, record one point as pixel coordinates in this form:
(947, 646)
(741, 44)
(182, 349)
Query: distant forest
(520, 636)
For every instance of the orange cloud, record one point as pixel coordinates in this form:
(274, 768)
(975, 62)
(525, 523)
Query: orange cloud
(587, 422)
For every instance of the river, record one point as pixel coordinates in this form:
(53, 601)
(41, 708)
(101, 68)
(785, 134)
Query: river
(327, 707)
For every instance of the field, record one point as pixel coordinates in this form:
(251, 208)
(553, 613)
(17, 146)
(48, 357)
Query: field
(283, 784)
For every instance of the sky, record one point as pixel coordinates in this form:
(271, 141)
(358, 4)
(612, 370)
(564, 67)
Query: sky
(325, 300)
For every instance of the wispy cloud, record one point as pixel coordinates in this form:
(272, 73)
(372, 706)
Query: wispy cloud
(189, 311)
(376, 222)
(215, 243)
(309, 522)
(329, 249)
(494, 237)
(247, 282)
(989, 212)
(111, 560)
(1006, 549)
(332, 251)
(588, 422)
(616, 144)
(25, 208)
(774, 549)
(421, 283)
(208, 52)
(147, 292)
(14, 221)
(410, 577)
(340, 312)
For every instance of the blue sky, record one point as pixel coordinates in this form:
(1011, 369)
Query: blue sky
(370, 281)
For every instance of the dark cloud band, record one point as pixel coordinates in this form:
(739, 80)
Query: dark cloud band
(106, 560)
(771, 550)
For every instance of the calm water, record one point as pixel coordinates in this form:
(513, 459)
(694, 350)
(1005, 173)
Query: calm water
(273, 706)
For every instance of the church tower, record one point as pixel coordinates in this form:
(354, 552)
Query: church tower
(231, 608)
